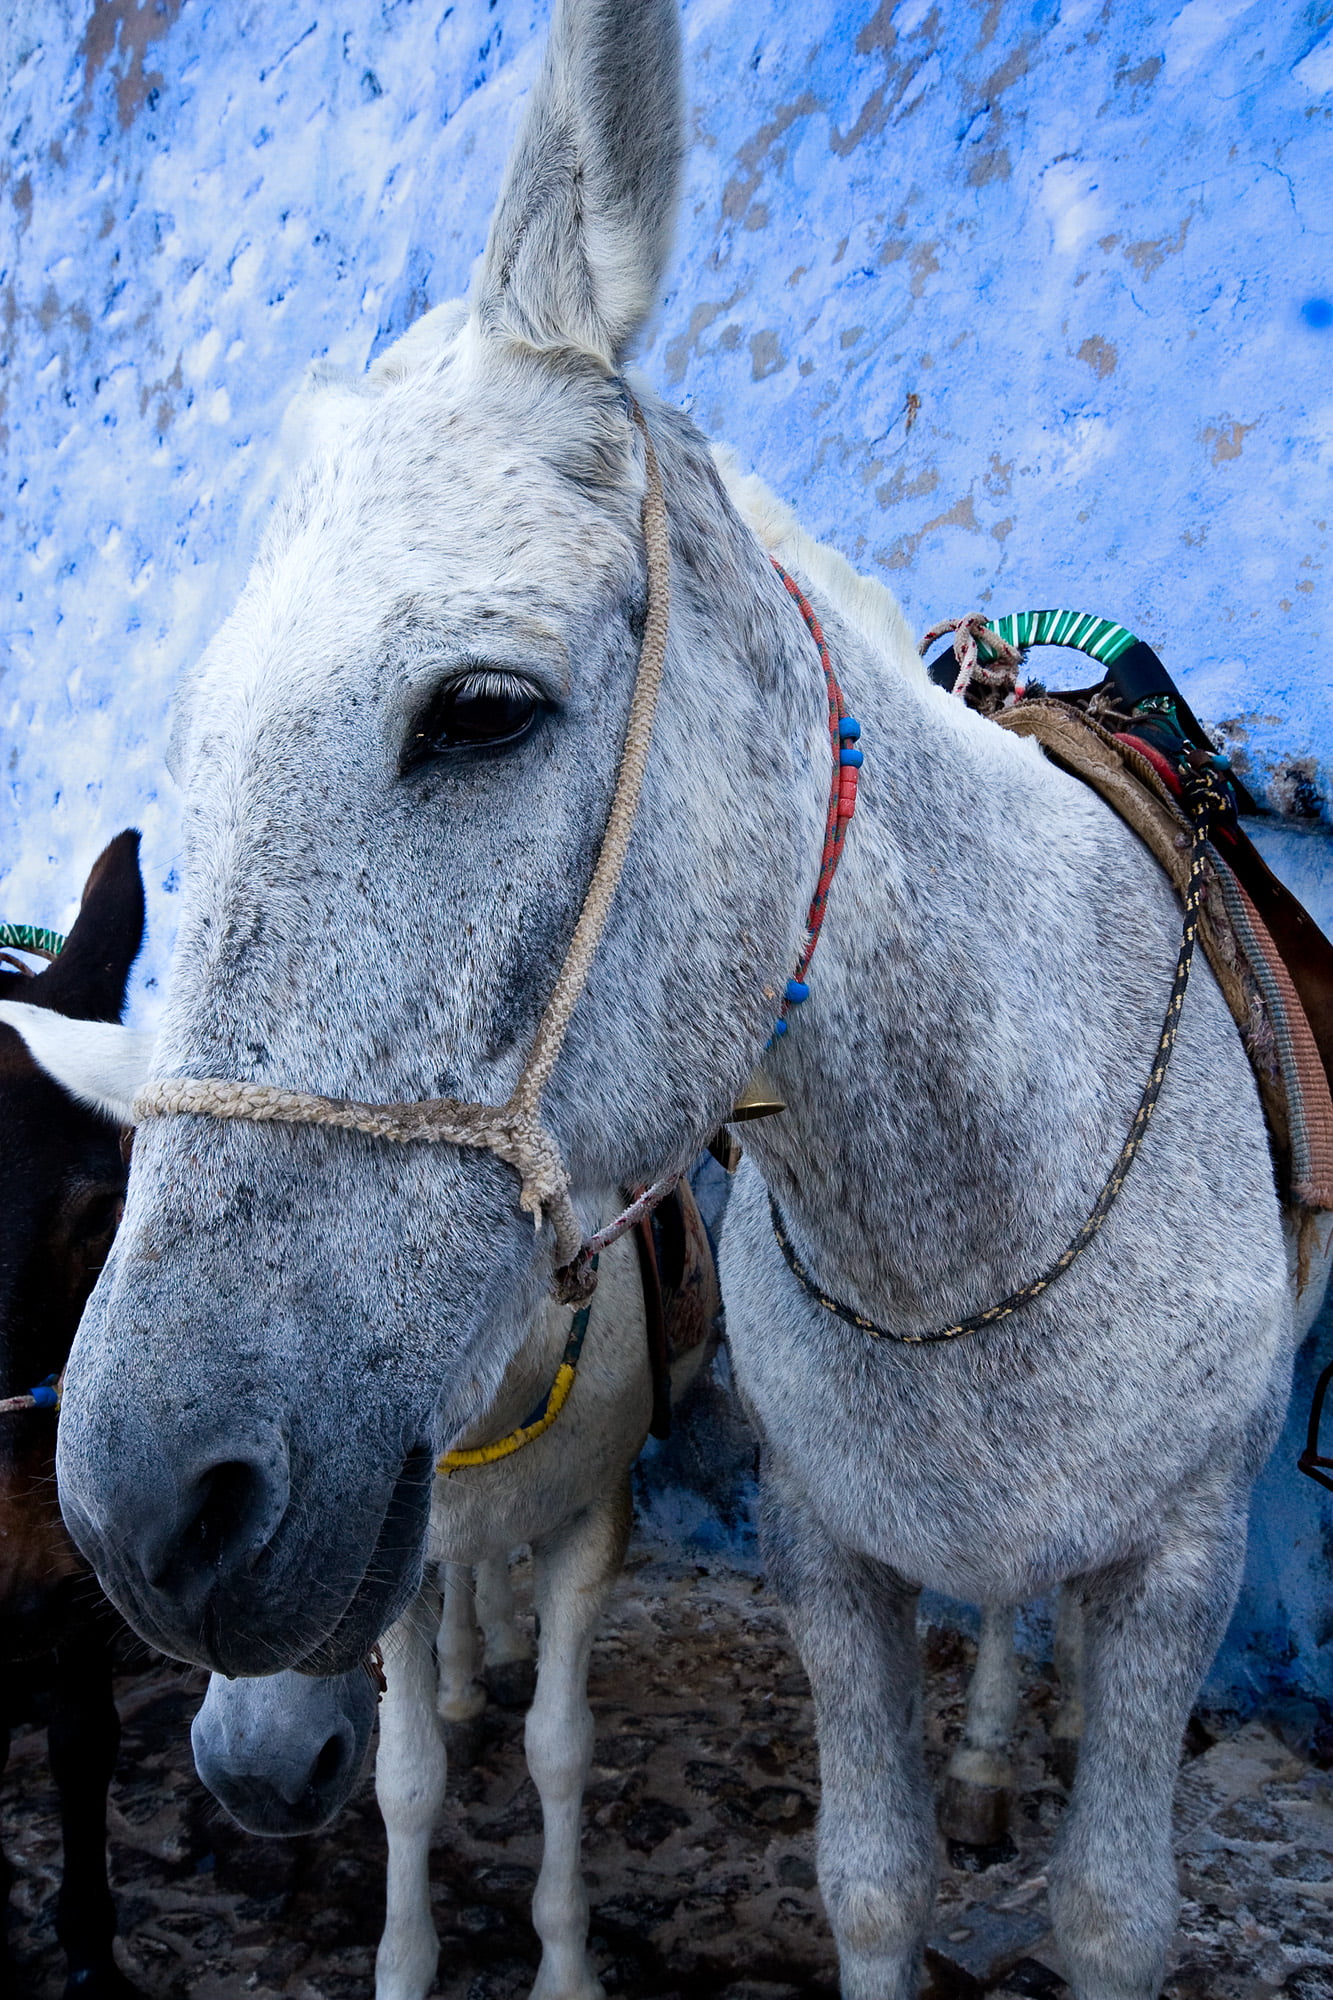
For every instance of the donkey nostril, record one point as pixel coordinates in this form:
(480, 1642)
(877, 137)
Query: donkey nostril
(226, 1525)
(328, 1766)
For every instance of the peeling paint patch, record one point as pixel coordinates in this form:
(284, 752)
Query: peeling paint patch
(904, 487)
(678, 351)
(1100, 355)
(120, 33)
(767, 356)
(1294, 788)
(1141, 76)
(1149, 256)
(1227, 442)
(992, 166)
(903, 554)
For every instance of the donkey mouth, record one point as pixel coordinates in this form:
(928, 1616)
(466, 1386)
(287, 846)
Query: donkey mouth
(270, 1613)
(392, 1576)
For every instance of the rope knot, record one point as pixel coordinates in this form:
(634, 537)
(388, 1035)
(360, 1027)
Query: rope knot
(988, 686)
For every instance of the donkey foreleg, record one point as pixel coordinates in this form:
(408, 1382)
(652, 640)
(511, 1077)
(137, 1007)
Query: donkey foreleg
(1150, 1628)
(574, 1569)
(974, 1807)
(409, 1785)
(83, 1738)
(854, 1625)
(509, 1671)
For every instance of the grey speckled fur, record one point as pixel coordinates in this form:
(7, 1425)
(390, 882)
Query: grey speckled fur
(293, 1319)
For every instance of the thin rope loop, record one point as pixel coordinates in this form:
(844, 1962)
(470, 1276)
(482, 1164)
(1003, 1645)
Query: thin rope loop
(625, 802)
(1205, 798)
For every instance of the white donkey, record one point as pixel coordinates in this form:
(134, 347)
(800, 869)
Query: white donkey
(398, 759)
(283, 1754)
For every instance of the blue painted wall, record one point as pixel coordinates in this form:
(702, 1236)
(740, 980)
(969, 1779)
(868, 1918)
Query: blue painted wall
(1019, 303)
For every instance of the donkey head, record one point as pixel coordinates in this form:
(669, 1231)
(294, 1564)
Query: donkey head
(397, 759)
(63, 1180)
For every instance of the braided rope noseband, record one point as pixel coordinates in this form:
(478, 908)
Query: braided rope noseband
(514, 1130)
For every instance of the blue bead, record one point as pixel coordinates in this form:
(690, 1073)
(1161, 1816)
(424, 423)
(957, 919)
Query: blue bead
(779, 1027)
(849, 754)
(797, 990)
(848, 728)
(43, 1397)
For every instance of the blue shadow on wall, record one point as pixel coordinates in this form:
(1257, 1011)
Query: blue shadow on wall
(1281, 1633)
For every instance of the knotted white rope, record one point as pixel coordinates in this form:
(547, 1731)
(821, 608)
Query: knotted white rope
(513, 1131)
(1000, 680)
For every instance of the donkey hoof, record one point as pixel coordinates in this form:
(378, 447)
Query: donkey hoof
(512, 1683)
(1064, 1759)
(974, 1816)
(462, 1742)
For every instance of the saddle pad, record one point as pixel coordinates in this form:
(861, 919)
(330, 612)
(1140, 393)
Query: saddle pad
(692, 1299)
(1259, 985)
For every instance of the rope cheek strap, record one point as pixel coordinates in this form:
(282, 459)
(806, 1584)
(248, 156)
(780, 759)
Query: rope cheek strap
(513, 1131)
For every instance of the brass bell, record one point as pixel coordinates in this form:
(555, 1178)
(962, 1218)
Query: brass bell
(758, 1100)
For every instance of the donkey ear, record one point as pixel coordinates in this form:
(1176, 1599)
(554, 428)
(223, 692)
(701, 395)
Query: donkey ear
(87, 982)
(579, 241)
(99, 1063)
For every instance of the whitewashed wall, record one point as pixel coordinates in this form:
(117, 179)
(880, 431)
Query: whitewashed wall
(1020, 304)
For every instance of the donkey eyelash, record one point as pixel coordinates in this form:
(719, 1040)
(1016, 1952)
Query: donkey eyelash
(493, 684)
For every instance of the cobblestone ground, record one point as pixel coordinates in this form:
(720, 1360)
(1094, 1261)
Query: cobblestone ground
(699, 1843)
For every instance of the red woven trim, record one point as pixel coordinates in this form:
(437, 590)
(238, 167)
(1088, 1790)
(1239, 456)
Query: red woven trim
(842, 792)
(1163, 766)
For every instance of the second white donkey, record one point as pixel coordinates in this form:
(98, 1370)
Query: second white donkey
(284, 1753)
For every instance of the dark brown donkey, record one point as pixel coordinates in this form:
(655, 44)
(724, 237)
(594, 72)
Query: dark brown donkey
(62, 1179)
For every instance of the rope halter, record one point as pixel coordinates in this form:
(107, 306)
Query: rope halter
(513, 1131)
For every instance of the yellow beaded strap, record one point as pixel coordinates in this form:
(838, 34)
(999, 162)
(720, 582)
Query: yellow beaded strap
(538, 1420)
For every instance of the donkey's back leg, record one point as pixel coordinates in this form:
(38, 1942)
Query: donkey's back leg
(854, 1624)
(978, 1785)
(1150, 1629)
(575, 1569)
(509, 1671)
(461, 1692)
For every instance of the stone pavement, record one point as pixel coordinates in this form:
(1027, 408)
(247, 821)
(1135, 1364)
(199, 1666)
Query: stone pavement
(699, 1847)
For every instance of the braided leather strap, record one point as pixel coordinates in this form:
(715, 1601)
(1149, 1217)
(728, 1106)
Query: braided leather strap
(1205, 798)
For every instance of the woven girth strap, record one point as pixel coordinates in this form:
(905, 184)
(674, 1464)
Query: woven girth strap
(513, 1131)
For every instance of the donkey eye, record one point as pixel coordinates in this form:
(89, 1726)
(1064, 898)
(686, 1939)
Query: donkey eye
(480, 708)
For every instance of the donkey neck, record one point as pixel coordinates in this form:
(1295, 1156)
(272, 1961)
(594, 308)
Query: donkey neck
(971, 1048)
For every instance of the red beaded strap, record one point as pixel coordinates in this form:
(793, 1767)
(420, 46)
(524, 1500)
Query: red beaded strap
(843, 732)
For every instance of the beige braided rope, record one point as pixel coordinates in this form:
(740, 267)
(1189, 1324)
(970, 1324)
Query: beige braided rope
(625, 802)
(512, 1131)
